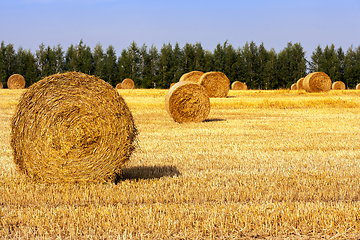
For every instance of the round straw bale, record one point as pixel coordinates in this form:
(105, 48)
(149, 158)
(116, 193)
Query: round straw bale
(127, 83)
(357, 86)
(171, 85)
(338, 85)
(317, 82)
(215, 83)
(193, 76)
(187, 102)
(238, 86)
(294, 86)
(1, 85)
(118, 86)
(299, 84)
(16, 81)
(72, 127)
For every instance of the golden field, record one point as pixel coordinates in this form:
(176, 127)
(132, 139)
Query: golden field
(265, 164)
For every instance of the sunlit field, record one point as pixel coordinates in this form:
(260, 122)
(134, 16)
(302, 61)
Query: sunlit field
(265, 164)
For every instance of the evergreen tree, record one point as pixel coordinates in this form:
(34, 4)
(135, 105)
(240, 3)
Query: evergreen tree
(2, 65)
(98, 55)
(59, 59)
(134, 57)
(189, 58)
(84, 58)
(124, 66)
(250, 57)
(177, 66)
(70, 59)
(316, 60)
(352, 67)
(9, 60)
(165, 67)
(208, 61)
(154, 66)
(145, 67)
(110, 70)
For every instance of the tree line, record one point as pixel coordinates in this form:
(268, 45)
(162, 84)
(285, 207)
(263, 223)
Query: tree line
(150, 67)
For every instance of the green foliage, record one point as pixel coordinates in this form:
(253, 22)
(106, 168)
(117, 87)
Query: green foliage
(254, 65)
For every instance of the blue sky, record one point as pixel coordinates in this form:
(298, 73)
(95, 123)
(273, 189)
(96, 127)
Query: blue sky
(28, 23)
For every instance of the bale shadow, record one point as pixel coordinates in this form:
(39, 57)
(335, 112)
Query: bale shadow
(214, 120)
(148, 172)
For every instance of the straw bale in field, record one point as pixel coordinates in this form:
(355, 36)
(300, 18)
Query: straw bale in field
(171, 85)
(338, 85)
(72, 127)
(127, 83)
(1, 85)
(187, 102)
(216, 84)
(300, 83)
(294, 86)
(358, 87)
(317, 82)
(193, 76)
(238, 86)
(118, 86)
(16, 81)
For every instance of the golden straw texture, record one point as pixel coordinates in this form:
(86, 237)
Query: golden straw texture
(238, 86)
(357, 86)
(187, 102)
(118, 86)
(216, 84)
(299, 84)
(16, 81)
(317, 82)
(193, 76)
(127, 83)
(72, 127)
(171, 85)
(294, 86)
(338, 85)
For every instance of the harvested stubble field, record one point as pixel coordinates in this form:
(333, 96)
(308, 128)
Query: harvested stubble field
(265, 164)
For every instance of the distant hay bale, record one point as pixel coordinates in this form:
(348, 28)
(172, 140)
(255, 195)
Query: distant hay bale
(193, 76)
(1, 85)
(358, 87)
(16, 81)
(72, 127)
(294, 86)
(171, 85)
(127, 83)
(238, 86)
(216, 84)
(317, 82)
(118, 86)
(187, 102)
(338, 85)
(299, 84)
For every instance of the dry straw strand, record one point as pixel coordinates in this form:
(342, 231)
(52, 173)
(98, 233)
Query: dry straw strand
(127, 83)
(187, 102)
(299, 84)
(338, 85)
(237, 85)
(317, 82)
(294, 86)
(193, 76)
(16, 81)
(216, 84)
(72, 127)
(118, 86)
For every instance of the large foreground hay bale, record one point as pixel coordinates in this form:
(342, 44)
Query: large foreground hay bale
(127, 83)
(216, 84)
(193, 76)
(187, 102)
(338, 85)
(357, 86)
(317, 82)
(118, 86)
(299, 84)
(72, 127)
(16, 81)
(238, 86)
(294, 86)
(171, 85)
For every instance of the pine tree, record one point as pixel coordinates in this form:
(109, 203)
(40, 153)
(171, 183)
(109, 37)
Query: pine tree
(316, 60)
(98, 55)
(165, 67)
(110, 70)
